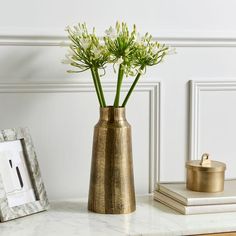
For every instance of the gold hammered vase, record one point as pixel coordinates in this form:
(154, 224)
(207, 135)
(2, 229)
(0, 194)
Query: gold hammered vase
(111, 179)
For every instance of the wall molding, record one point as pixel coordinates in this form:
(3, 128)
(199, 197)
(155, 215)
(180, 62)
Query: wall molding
(153, 89)
(196, 87)
(171, 37)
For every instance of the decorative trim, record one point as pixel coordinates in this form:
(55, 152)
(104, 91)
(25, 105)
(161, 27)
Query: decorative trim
(153, 88)
(196, 87)
(171, 37)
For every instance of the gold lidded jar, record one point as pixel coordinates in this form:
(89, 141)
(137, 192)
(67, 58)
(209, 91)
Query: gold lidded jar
(205, 175)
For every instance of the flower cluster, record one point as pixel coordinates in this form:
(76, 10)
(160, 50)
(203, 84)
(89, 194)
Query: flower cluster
(149, 52)
(86, 49)
(128, 50)
(122, 46)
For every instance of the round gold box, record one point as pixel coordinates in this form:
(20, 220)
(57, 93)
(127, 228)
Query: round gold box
(205, 175)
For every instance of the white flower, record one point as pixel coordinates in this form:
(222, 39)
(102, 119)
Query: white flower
(78, 33)
(140, 71)
(162, 60)
(144, 43)
(154, 50)
(76, 28)
(67, 28)
(63, 44)
(112, 57)
(70, 53)
(139, 38)
(111, 33)
(101, 42)
(85, 43)
(171, 51)
(66, 61)
(96, 51)
(119, 61)
(68, 57)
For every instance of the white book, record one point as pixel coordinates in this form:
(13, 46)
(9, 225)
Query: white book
(191, 210)
(187, 197)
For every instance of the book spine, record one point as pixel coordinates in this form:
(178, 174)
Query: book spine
(197, 201)
(190, 210)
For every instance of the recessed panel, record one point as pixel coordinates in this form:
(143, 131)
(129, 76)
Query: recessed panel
(217, 127)
(61, 124)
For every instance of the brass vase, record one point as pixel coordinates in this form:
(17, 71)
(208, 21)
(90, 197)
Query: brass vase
(111, 179)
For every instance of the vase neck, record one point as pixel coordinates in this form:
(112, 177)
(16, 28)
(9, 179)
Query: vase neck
(112, 113)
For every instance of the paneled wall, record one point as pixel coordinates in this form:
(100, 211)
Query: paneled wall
(61, 109)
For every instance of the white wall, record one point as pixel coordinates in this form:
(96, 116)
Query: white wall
(61, 109)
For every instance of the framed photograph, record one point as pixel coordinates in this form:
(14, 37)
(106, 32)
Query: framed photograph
(22, 191)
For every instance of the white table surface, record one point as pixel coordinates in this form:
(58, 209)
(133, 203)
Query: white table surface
(71, 218)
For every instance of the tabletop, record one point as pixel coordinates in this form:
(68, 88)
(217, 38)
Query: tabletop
(71, 218)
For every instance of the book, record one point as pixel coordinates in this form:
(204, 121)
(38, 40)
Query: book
(191, 210)
(178, 192)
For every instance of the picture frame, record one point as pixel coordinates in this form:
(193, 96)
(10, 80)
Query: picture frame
(22, 190)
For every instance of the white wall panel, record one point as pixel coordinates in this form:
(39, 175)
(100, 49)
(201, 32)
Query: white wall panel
(213, 127)
(189, 63)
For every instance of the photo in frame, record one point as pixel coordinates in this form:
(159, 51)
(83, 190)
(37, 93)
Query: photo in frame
(22, 191)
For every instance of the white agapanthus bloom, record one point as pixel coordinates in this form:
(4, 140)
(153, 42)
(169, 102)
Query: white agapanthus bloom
(101, 42)
(85, 43)
(154, 50)
(141, 71)
(144, 43)
(96, 51)
(78, 33)
(67, 61)
(112, 57)
(162, 60)
(67, 28)
(119, 61)
(63, 44)
(70, 53)
(76, 28)
(171, 51)
(138, 38)
(111, 32)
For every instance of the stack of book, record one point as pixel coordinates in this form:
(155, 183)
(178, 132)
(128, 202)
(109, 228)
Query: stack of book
(177, 197)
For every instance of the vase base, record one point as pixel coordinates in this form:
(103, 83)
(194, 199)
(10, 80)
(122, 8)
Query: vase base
(113, 212)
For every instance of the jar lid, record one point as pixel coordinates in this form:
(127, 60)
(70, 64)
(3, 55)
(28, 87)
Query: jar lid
(205, 164)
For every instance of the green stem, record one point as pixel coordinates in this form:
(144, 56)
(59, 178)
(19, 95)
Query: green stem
(96, 87)
(118, 87)
(100, 88)
(132, 87)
